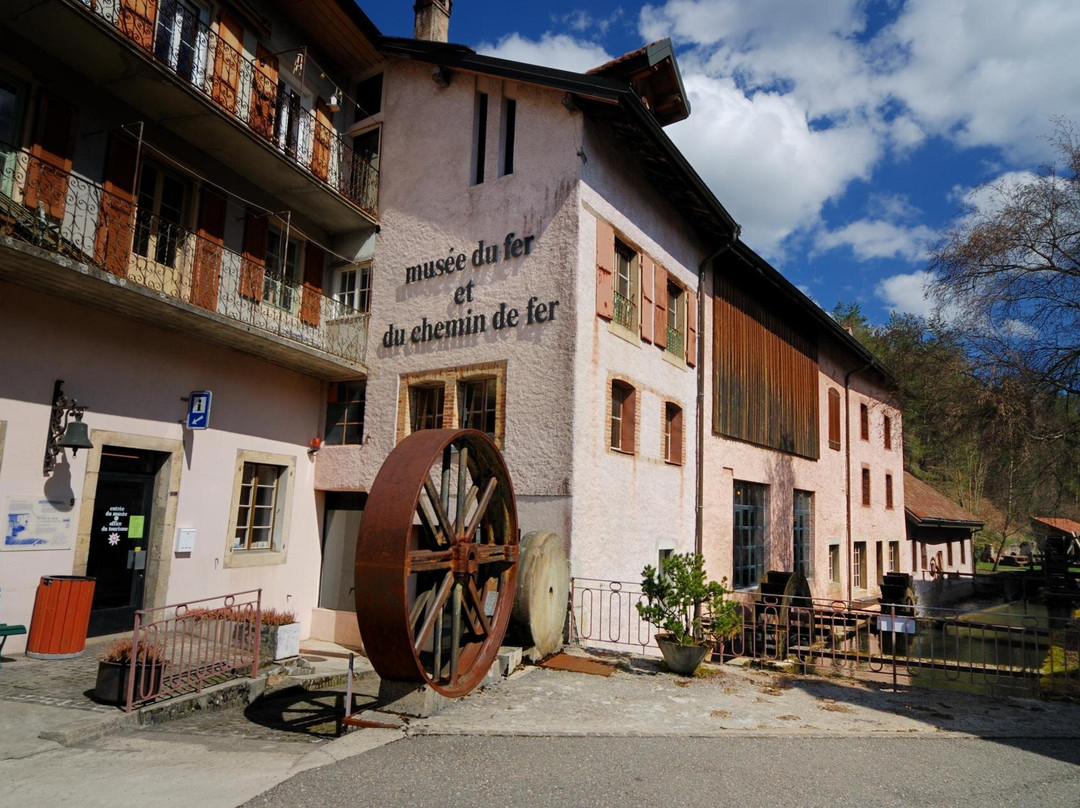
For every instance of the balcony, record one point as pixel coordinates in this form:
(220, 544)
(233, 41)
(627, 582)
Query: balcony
(160, 57)
(61, 234)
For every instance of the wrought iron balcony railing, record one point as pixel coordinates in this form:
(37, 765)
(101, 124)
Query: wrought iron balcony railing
(43, 205)
(171, 33)
(676, 341)
(625, 312)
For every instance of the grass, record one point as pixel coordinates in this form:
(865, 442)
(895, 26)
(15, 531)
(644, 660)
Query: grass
(987, 567)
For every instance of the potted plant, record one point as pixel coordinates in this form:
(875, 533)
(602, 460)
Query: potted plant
(681, 600)
(280, 635)
(114, 668)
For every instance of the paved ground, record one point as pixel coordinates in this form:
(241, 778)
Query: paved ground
(638, 719)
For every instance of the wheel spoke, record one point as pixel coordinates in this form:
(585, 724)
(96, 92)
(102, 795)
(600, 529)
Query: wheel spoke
(440, 510)
(492, 553)
(417, 607)
(481, 508)
(478, 603)
(434, 609)
(462, 489)
(429, 560)
(455, 633)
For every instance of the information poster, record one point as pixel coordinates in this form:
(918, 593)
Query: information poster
(35, 523)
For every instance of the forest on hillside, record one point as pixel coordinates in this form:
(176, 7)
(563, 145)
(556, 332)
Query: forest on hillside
(992, 409)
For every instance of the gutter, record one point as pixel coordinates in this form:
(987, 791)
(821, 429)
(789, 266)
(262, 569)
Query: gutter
(847, 484)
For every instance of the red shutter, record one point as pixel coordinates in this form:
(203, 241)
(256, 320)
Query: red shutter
(228, 48)
(605, 269)
(660, 303)
(313, 275)
(50, 156)
(264, 92)
(691, 328)
(834, 418)
(136, 21)
(112, 241)
(629, 420)
(648, 271)
(253, 265)
(676, 435)
(206, 275)
(320, 148)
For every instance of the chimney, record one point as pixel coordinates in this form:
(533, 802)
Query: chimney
(432, 20)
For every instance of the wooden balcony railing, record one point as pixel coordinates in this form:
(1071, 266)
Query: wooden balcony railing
(43, 205)
(171, 33)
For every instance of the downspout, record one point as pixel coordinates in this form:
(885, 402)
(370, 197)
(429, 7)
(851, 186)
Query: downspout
(699, 466)
(849, 547)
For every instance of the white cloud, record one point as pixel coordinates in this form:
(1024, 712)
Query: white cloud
(551, 50)
(876, 238)
(581, 20)
(906, 294)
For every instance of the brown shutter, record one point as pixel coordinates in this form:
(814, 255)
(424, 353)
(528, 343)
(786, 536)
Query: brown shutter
(605, 269)
(320, 149)
(206, 274)
(660, 303)
(313, 275)
(888, 432)
(648, 272)
(136, 21)
(112, 241)
(50, 156)
(253, 265)
(691, 328)
(676, 436)
(629, 420)
(264, 92)
(228, 49)
(834, 418)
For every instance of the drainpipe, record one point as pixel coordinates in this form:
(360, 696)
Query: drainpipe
(699, 415)
(847, 462)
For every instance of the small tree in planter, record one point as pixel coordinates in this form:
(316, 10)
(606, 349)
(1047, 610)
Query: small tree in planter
(114, 667)
(681, 600)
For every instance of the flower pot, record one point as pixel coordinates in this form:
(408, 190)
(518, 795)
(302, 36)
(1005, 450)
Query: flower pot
(112, 680)
(681, 659)
(280, 642)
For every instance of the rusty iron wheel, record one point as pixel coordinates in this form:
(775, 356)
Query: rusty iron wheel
(436, 560)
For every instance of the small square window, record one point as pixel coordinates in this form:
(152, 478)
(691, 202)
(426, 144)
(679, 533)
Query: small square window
(345, 413)
(427, 407)
(864, 422)
(622, 416)
(352, 287)
(673, 433)
(258, 510)
(477, 399)
(834, 564)
(627, 269)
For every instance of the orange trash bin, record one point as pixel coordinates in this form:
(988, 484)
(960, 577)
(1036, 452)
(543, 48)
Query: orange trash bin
(61, 617)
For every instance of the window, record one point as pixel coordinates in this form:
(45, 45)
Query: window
(480, 138)
(879, 565)
(477, 399)
(859, 561)
(345, 413)
(963, 547)
(948, 550)
(662, 559)
(159, 215)
(676, 320)
(748, 564)
(177, 40)
(834, 565)
(627, 266)
(369, 96)
(259, 514)
(834, 418)
(509, 122)
(894, 556)
(673, 434)
(887, 427)
(427, 407)
(866, 487)
(922, 554)
(258, 509)
(803, 532)
(888, 491)
(282, 278)
(864, 422)
(623, 416)
(352, 287)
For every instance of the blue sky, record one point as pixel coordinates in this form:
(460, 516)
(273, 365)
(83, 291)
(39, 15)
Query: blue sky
(842, 135)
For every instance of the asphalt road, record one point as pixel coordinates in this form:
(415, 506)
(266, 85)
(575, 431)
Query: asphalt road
(761, 771)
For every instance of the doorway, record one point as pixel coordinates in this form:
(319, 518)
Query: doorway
(119, 546)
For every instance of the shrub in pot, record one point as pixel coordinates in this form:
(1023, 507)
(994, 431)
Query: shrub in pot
(681, 600)
(114, 668)
(280, 635)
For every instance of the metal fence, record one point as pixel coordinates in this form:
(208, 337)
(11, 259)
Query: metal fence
(174, 35)
(64, 213)
(1002, 653)
(183, 647)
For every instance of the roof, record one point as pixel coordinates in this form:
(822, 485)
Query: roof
(654, 74)
(1059, 523)
(925, 505)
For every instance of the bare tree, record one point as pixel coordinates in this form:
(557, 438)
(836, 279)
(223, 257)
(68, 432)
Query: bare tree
(1013, 268)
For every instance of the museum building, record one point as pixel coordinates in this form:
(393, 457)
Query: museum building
(346, 237)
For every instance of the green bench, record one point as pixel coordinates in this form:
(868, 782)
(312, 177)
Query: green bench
(8, 631)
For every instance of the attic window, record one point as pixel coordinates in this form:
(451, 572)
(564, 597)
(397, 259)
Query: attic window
(369, 97)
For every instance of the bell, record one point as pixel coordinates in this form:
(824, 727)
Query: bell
(76, 436)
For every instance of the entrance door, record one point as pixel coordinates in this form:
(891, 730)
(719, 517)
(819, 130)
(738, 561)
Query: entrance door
(119, 536)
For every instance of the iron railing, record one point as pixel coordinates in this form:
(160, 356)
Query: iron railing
(998, 653)
(625, 311)
(186, 646)
(676, 342)
(59, 211)
(171, 33)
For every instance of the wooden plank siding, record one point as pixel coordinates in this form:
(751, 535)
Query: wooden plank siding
(765, 375)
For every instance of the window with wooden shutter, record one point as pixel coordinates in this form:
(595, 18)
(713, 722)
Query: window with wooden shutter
(864, 422)
(887, 427)
(648, 272)
(206, 274)
(228, 52)
(117, 210)
(866, 487)
(888, 491)
(311, 297)
(660, 307)
(605, 269)
(673, 433)
(51, 153)
(834, 418)
(691, 328)
(623, 416)
(264, 92)
(253, 264)
(136, 21)
(323, 139)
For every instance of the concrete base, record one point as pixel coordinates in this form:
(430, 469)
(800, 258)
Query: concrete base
(409, 698)
(509, 659)
(335, 626)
